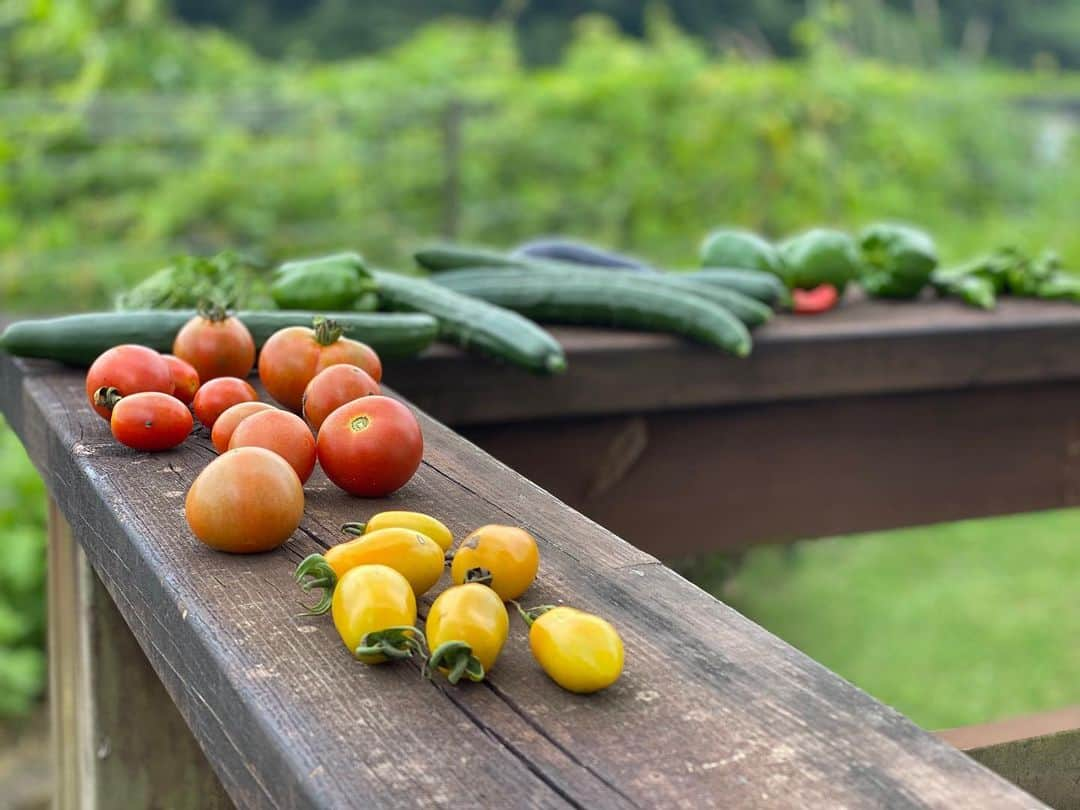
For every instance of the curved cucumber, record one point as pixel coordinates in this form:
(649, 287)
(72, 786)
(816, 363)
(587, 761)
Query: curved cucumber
(748, 310)
(758, 284)
(474, 324)
(79, 339)
(591, 298)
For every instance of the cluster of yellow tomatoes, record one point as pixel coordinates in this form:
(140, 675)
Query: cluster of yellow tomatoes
(370, 585)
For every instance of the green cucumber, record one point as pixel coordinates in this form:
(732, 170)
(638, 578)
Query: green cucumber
(748, 310)
(758, 284)
(591, 298)
(437, 258)
(473, 324)
(79, 339)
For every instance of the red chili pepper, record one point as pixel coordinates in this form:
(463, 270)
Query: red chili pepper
(813, 302)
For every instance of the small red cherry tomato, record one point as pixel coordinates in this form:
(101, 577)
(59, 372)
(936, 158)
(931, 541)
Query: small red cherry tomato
(813, 302)
(215, 396)
(150, 421)
(184, 376)
(230, 418)
(333, 387)
(129, 369)
(216, 344)
(370, 446)
(282, 432)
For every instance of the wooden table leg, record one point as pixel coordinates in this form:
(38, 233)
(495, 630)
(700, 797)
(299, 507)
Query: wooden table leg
(118, 739)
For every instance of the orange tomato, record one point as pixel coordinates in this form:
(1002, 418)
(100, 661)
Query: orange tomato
(333, 387)
(282, 432)
(216, 344)
(244, 501)
(294, 355)
(216, 396)
(232, 416)
(184, 376)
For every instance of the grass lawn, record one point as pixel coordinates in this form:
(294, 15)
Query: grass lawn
(951, 624)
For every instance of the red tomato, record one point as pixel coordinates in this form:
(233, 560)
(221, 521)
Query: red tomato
(150, 421)
(333, 387)
(813, 302)
(213, 397)
(294, 355)
(230, 418)
(283, 432)
(216, 344)
(129, 369)
(370, 446)
(246, 500)
(184, 376)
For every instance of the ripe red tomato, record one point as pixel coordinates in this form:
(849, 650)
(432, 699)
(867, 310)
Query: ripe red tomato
(129, 369)
(150, 421)
(333, 387)
(370, 446)
(215, 396)
(283, 432)
(216, 344)
(813, 302)
(294, 355)
(246, 500)
(184, 376)
(230, 418)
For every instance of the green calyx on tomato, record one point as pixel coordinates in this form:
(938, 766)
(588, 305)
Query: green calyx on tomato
(392, 642)
(359, 423)
(327, 330)
(107, 397)
(457, 658)
(532, 614)
(480, 575)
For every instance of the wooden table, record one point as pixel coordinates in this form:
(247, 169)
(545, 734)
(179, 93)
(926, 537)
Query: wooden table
(874, 416)
(285, 718)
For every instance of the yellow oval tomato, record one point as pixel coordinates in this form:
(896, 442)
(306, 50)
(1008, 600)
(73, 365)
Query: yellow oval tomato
(579, 651)
(507, 553)
(415, 556)
(418, 521)
(466, 629)
(374, 611)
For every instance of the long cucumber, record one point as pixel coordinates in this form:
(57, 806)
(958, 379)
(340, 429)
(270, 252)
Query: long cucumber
(438, 258)
(758, 284)
(748, 310)
(474, 324)
(79, 339)
(595, 299)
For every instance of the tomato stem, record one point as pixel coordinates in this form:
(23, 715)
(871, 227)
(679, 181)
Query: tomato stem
(532, 614)
(394, 643)
(327, 331)
(212, 311)
(107, 397)
(315, 572)
(457, 659)
(480, 575)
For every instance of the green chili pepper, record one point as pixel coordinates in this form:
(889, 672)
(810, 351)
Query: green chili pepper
(972, 288)
(1059, 286)
(897, 260)
(328, 282)
(739, 249)
(819, 256)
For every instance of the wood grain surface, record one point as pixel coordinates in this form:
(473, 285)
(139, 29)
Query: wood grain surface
(712, 710)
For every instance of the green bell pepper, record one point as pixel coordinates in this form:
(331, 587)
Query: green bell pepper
(819, 256)
(897, 260)
(324, 283)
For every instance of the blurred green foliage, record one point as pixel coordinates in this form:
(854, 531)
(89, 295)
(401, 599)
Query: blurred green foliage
(126, 138)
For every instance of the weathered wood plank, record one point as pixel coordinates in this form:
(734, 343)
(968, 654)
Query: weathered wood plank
(1047, 766)
(709, 480)
(289, 720)
(1011, 729)
(116, 732)
(865, 347)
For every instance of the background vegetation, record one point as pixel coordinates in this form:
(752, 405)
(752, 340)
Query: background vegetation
(127, 136)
